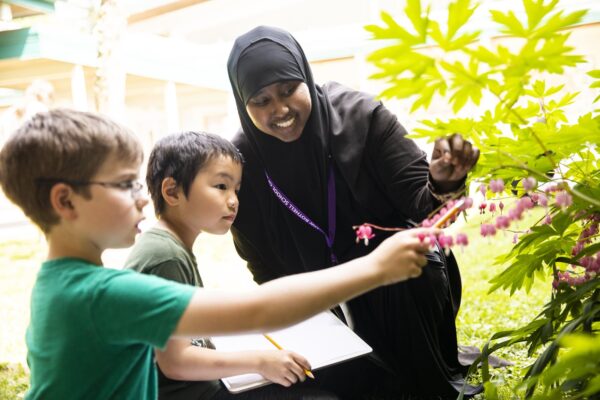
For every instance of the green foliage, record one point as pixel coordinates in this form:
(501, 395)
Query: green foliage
(13, 381)
(528, 131)
(578, 366)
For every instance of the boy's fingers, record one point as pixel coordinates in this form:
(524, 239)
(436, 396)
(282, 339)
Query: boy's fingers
(300, 360)
(416, 272)
(425, 231)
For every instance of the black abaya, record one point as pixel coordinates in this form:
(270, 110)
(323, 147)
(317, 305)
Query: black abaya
(381, 177)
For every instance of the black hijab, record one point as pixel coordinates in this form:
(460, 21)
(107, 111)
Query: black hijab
(259, 58)
(335, 134)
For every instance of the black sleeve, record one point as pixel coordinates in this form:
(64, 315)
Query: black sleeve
(399, 166)
(246, 250)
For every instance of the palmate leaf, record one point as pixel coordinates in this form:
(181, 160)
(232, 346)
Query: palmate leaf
(467, 83)
(550, 55)
(427, 94)
(533, 252)
(587, 129)
(402, 91)
(510, 23)
(414, 14)
(538, 89)
(518, 274)
(536, 11)
(531, 110)
(459, 12)
(485, 55)
(474, 131)
(463, 40)
(394, 52)
(583, 170)
(557, 139)
(556, 23)
(393, 31)
(410, 62)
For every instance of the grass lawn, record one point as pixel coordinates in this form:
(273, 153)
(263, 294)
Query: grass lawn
(481, 314)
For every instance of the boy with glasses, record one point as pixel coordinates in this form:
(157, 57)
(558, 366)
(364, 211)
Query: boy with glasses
(92, 329)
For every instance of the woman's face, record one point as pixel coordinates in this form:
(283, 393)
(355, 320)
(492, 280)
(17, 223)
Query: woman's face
(281, 109)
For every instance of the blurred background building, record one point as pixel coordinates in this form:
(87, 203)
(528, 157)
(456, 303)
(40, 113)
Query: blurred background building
(159, 66)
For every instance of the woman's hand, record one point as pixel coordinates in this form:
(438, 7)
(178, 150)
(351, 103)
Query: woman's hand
(282, 366)
(451, 160)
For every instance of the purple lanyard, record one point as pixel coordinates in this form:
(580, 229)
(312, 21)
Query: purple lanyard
(330, 236)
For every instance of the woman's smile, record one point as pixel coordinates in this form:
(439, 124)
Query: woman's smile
(281, 109)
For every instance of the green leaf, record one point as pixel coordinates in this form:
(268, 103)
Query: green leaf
(459, 12)
(393, 31)
(435, 33)
(536, 11)
(490, 390)
(461, 41)
(539, 88)
(558, 22)
(554, 90)
(594, 73)
(486, 56)
(511, 23)
(413, 12)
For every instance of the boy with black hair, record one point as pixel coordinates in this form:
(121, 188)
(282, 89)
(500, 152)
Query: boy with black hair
(92, 329)
(193, 179)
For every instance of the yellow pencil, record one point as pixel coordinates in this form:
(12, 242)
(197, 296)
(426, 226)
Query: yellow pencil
(451, 213)
(274, 343)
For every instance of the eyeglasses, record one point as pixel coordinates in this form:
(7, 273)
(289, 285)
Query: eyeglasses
(134, 186)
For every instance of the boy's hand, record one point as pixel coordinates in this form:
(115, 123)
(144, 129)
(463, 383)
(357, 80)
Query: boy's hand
(402, 256)
(282, 366)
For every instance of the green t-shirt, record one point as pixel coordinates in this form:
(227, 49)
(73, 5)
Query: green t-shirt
(158, 252)
(92, 330)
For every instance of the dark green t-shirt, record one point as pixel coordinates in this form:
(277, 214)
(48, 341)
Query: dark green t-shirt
(158, 252)
(92, 331)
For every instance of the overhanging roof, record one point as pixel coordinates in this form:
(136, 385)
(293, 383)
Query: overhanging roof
(143, 55)
(35, 6)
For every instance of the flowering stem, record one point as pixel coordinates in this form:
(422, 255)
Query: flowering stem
(381, 228)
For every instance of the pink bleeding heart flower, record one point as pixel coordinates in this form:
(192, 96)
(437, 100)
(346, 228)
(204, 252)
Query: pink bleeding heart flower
(526, 203)
(502, 222)
(542, 200)
(483, 189)
(529, 183)
(563, 199)
(468, 203)
(497, 185)
(487, 230)
(462, 239)
(446, 241)
(364, 232)
(482, 207)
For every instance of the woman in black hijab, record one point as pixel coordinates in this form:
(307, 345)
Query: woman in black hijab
(321, 159)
